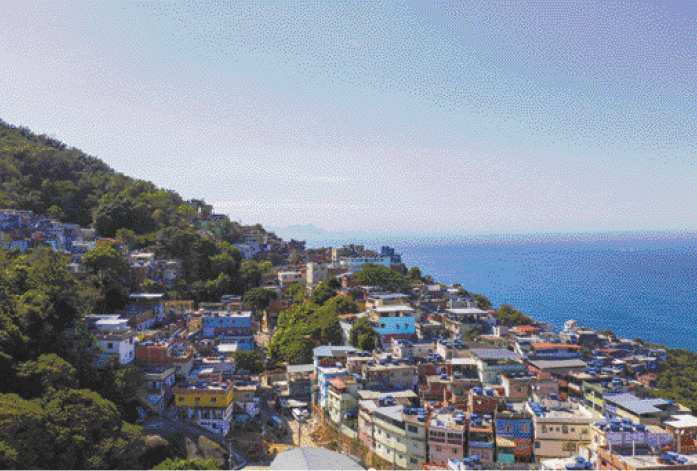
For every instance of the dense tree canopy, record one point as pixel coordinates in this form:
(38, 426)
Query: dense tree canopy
(384, 277)
(184, 464)
(303, 327)
(482, 302)
(48, 371)
(510, 316)
(414, 275)
(322, 294)
(109, 276)
(66, 429)
(259, 298)
(248, 361)
(362, 335)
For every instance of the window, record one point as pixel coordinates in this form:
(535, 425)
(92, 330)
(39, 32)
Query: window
(437, 448)
(569, 446)
(110, 345)
(213, 399)
(413, 428)
(538, 444)
(565, 429)
(197, 399)
(544, 428)
(181, 399)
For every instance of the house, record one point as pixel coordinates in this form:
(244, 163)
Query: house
(389, 374)
(560, 428)
(208, 405)
(287, 278)
(400, 435)
(119, 343)
(154, 301)
(491, 362)
(517, 427)
(140, 317)
(617, 461)
(446, 437)
(554, 350)
(480, 437)
(230, 327)
(172, 352)
(342, 399)
(645, 411)
(624, 436)
(324, 374)
(157, 387)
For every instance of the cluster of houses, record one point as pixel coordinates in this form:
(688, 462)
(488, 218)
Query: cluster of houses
(23, 230)
(427, 397)
(432, 396)
(447, 387)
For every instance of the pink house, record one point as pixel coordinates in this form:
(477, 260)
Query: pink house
(446, 434)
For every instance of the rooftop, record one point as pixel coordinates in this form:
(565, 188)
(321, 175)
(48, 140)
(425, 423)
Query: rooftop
(495, 354)
(636, 405)
(313, 458)
(330, 351)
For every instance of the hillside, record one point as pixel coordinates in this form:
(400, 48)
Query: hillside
(44, 175)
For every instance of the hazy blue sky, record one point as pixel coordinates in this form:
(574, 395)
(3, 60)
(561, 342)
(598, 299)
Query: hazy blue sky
(447, 117)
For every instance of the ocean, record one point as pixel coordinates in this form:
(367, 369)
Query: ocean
(637, 285)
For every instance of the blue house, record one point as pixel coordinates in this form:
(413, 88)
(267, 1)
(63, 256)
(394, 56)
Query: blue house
(517, 427)
(233, 327)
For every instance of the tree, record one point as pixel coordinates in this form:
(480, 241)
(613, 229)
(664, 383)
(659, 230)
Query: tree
(218, 287)
(110, 277)
(55, 212)
(49, 371)
(362, 335)
(128, 380)
(342, 305)
(184, 464)
(107, 259)
(24, 441)
(127, 237)
(251, 274)
(377, 275)
(296, 258)
(248, 361)
(333, 283)
(483, 302)
(259, 298)
(88, 432)
(414, 275)
(301, 328)
(322, 294)
(510, 316)
(112, 215)
(296, 292)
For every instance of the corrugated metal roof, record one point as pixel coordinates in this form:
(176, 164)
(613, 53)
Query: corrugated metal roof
(495, 353)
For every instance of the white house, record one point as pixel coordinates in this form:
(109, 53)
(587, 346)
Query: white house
(118, 343)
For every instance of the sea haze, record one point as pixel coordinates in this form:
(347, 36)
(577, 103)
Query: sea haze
(637, 285)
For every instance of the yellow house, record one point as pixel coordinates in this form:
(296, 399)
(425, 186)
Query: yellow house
(207, 404)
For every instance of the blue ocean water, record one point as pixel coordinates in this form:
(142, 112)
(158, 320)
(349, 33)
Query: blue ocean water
(635, 285)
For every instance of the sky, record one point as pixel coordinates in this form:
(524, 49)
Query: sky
(400, 118)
